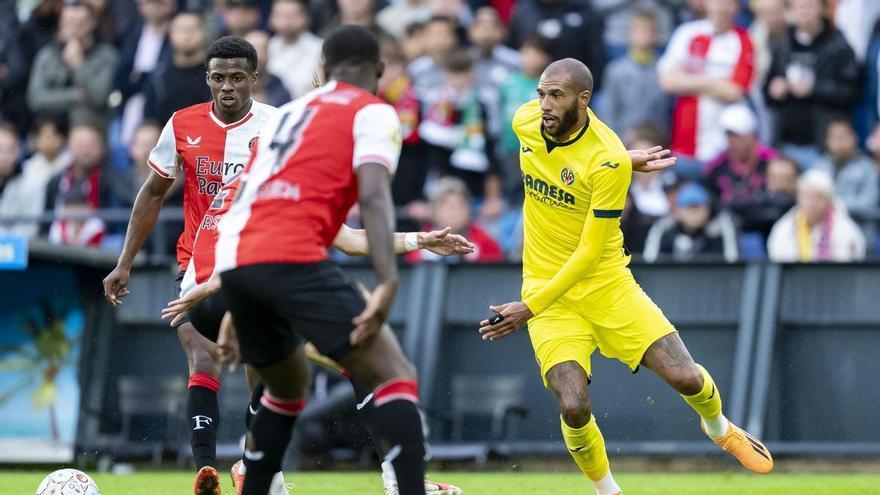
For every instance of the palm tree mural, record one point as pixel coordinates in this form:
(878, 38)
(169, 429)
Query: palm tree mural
(41, 358)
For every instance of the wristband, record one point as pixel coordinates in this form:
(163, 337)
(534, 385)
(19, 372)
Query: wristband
(411, 241)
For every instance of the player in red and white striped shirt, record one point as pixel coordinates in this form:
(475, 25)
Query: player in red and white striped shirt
(208, 144)
(327, 150)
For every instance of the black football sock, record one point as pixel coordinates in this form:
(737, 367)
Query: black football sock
(366, 412)
(203, 412)
(267, 441)
(398, 430)
(254, 404)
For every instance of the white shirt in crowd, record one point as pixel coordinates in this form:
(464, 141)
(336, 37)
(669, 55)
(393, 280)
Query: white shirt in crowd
(295, 63)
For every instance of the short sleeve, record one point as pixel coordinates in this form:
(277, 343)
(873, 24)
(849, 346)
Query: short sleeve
(676, 51)
(610, 183)
(163, 158)
(377, 136)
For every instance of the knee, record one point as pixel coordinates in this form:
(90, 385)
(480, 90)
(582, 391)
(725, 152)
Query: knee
(687, 381)
(575, 410)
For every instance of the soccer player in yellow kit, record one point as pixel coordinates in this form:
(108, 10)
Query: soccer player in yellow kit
(578, 294)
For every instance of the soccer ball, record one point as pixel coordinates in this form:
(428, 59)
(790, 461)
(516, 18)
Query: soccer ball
(68, 482)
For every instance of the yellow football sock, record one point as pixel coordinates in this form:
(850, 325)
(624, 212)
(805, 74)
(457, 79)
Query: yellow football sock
(587, 447)
(707, 403)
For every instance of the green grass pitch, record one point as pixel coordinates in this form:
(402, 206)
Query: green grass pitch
(329, 483)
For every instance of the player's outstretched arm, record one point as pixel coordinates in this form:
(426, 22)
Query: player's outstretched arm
(353, 242)
(176, 309)
(374, 186)
(144, 214)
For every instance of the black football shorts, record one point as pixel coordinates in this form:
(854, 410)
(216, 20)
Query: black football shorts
(277, 306)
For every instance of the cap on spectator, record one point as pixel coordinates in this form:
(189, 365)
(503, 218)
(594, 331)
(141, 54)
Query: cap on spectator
(692, 195)
(738, 119)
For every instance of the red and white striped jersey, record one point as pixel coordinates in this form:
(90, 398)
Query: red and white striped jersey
(209, 153)
(201, 264)
(301, 182)
(695, 48)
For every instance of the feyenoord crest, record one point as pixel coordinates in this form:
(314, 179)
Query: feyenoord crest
(252, 143)
(567, 176)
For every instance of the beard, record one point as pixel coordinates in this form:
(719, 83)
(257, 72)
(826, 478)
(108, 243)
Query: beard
(567, 123)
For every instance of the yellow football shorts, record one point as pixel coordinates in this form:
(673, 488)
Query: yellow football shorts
(616, 316)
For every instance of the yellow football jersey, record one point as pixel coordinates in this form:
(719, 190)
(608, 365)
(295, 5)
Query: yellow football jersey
(564, 182)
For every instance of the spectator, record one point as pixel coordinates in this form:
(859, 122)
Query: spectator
(455, 127)
(14, 68)
(813, 79)
(855, 178)
(127, 181)
(105, 21)
(707, 65)
(516, 90)
(767, 30)
(294, 52)
(143, 49)
(41, 28)
(817, 228)
(632, 93)
(396, 18)
(397, 89)
(648, 199)
(691, 233)
(75, 223)
(450, 204)
(182, 82)
(758, 214)
(619, 16)
(26, 194)
(10, 152)
(739, 173)
(413, 41)
(647, 190)
(84, 178)
(73, 76)
(573, 26)
(268, 88)
(495, 63)
(357, 12)
(241, 17)
(440, 40)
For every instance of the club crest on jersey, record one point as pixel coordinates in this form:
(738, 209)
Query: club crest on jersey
(193, 142)
(567, 176)
(252, 144)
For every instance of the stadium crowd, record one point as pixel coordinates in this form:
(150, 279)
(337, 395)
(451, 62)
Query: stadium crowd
(770, 105)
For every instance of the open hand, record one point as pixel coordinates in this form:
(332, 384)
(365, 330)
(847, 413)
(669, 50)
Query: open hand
(652, 159)
(515, 314)
(176, 309)
(444, 243)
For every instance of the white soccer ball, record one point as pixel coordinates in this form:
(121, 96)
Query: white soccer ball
(68, 482)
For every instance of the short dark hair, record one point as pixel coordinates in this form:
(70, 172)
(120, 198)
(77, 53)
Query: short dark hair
(540, 43)
(353, 45)
(459, 61)
(232, 47)
(58, 122)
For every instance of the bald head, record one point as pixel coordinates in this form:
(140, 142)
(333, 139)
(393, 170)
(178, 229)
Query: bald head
(574, 71)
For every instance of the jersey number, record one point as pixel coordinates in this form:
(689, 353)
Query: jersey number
(286, 145)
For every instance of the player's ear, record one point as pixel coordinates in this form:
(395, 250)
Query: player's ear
(254, 76)
(584, 98)
(380, 68)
